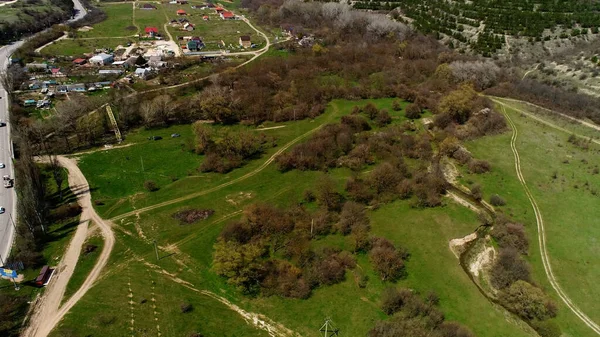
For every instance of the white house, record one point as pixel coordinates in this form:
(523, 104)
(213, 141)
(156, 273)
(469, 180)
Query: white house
(102, 59)
(142, 72)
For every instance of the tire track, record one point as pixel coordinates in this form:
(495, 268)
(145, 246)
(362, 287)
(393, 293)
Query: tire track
(542, 234)
(229, 183)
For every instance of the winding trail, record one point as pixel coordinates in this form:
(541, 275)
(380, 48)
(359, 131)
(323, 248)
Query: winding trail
(542, 234)
(223, 185)
(48, 312)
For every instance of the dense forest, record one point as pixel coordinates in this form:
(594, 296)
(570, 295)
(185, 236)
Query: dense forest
(28, 17)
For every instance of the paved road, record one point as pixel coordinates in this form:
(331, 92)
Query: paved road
(8, 196)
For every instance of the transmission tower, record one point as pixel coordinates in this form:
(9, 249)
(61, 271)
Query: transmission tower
(113, 122)
(328, 330)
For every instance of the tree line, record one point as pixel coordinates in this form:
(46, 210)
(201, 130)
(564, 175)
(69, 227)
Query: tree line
(34, 16)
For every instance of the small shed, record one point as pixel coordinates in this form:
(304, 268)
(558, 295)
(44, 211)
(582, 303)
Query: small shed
(188, 26)
(245, 41)
(79, 61)
(142, 73)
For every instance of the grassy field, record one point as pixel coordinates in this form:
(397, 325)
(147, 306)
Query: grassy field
(151, 18)
(214, 30)
(118, 23)
(78, 47)
(562, 179)
(86, 262)
(186, 250)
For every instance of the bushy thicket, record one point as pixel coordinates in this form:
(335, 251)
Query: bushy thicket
(269, 250)
(226, 149)
(511, 275)
(413, 316)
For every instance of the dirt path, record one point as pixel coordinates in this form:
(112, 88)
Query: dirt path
(529, 114)
(542, 235)
(47, 310)
(530, 71)
(221, 186)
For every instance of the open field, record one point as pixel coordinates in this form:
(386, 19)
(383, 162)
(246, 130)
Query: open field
(214, 30)
(75, 47)
(86, 262)
(186, 250)
(562, 178)
(118, 23)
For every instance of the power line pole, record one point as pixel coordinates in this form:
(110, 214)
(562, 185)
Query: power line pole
(156, 250)
(328, 330)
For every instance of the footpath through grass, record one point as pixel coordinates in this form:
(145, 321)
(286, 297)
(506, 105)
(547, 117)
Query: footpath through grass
(564, 180)
(186, 250)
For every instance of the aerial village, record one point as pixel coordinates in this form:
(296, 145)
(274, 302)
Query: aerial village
(71, 65)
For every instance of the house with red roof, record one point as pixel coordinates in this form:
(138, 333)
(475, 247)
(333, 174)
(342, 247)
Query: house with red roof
(219, 9)
(79, 61)
(151, 31)
(205, 18)
(227, 15)
(181, 12)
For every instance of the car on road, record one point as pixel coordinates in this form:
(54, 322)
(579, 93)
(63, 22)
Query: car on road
(2, 210)
(2, 165)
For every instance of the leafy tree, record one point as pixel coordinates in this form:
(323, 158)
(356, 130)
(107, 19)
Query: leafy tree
(459, 103)
(528, 302)
(239, 263)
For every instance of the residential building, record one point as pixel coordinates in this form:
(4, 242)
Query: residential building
(181, 12)
(79, 61)
(151, 31)
(102, 59)
(245, 41)
(188, 26)
(226, 15)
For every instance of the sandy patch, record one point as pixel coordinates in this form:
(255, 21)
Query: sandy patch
(457, 246)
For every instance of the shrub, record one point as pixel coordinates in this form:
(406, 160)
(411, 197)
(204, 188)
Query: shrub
(528, 302)
(393, 300)
(476, 192)
(497, 200)
(413, 111)
(186, 307)
(509, 268)
(546, 328)
(397, 105)
(479, 166)
(383, 118)
(150, 186)
(67, 211)
(386, 259)
(89, 249)
(353, 218)
(371, 110)
(192, 215)
(510, 235)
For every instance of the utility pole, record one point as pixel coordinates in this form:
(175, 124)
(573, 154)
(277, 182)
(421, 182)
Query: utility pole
(328, 330)
(156, 250)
